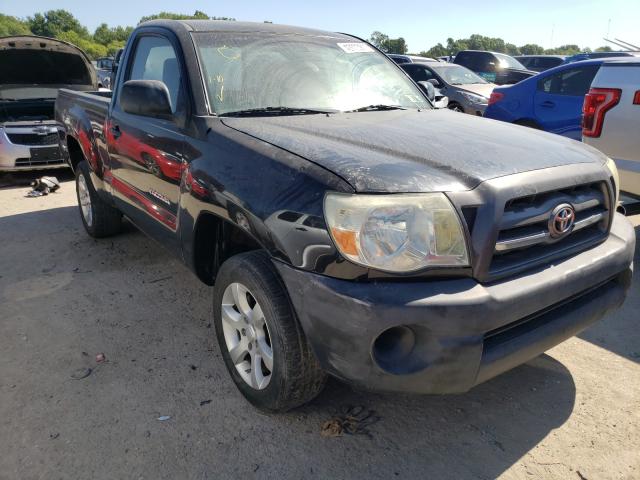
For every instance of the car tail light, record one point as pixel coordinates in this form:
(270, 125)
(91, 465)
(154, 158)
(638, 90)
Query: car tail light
(636, 98)
(495, 97)
(596, 103)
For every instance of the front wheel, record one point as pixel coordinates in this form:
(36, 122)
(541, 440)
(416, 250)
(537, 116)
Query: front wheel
(98, 217)
(455, 107)
(262, 343)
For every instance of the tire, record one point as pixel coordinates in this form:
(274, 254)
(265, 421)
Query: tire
(456, 107)
(98, 217)
(295, 377)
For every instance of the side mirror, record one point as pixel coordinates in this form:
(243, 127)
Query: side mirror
(149, 98)
(428, 89)
(434, 82)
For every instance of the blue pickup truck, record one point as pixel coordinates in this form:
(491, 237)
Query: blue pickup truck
(311, 182)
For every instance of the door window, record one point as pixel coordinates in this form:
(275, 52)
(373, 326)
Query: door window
(417, 72)
(155, 59)
(573, 81)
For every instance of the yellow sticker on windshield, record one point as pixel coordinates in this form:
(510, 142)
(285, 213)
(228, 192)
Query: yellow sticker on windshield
(355, 47)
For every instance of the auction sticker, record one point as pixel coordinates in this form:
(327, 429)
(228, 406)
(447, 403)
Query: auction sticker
(355, 47)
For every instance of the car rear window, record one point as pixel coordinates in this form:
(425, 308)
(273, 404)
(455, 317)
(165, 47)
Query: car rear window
(572, 81)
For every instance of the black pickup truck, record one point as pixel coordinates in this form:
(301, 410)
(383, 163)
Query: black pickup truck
(348, 228)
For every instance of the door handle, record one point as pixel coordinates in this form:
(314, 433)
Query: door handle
(115, 131)
(548, 104)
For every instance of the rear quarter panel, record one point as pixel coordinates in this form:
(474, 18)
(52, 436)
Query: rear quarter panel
(517, 103)
(82, 116)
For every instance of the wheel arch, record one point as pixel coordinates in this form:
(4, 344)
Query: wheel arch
(214, 241)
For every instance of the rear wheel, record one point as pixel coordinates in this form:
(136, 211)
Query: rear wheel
(456, 107)
(98, 217)
(262, 343)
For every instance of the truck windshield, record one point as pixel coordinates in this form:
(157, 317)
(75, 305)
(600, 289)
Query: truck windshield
(509, 62)
(292, 73)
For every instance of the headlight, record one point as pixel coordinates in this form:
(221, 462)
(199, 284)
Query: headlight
(473, 98)
(611, 165)
(396, 233)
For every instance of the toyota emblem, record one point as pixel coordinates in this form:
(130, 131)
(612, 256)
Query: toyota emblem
(562, 220)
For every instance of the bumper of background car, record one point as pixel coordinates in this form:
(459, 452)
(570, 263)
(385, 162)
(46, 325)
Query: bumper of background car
(18, 158)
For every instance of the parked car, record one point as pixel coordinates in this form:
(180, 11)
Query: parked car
(104, 67)
(467, 91)
(32, 69)
(494, 67)
(422, 265)
(540, 63)
(551, 101)
(578, 57)
(611, 117)
(400, 59)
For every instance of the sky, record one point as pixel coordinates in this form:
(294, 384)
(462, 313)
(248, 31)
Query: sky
(549, 23)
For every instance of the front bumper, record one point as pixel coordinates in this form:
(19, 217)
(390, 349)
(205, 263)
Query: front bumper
(464, 332)
(17, 157)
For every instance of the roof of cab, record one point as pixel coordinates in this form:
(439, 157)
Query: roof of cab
(232, 26)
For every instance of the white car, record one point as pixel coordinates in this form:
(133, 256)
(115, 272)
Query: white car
(611, 118)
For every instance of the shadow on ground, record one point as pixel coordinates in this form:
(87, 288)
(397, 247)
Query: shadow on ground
(64, 293)
(612, 333)
(23, 179)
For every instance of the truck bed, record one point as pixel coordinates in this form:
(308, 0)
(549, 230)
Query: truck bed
(70, 102)
(79, 113)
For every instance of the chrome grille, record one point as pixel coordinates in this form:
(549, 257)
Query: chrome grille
(524, 237)
(30, 162)
(33, 139)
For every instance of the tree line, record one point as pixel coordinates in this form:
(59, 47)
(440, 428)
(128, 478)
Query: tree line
(475, 42)
(61, 24)
(106, 40)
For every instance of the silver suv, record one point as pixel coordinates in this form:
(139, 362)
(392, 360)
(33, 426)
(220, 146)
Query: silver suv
(611, 115)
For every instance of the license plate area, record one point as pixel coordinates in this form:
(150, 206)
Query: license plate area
(45, 154)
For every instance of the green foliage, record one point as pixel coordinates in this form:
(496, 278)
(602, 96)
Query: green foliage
(480, 42)
(55, 22)
(61, 24)
(12, 26)
(566, 50)
(605, 48)
(198, 15)
(106, 35)
(531, 49)
(379, 40)
(388, 45)
(93, 49)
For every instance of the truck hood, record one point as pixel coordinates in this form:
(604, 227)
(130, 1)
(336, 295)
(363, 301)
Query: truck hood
(36, 67)
(411, 151)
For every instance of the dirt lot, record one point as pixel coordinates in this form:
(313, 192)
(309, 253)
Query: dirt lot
(573, 413)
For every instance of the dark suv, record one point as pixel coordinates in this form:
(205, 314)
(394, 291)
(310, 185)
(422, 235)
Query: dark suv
(494, 67)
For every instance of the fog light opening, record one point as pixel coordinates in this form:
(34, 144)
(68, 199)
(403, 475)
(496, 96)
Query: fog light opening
(393, 347)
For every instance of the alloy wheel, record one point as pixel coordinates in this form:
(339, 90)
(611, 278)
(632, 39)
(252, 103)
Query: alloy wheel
(84, 198)
(246, 335)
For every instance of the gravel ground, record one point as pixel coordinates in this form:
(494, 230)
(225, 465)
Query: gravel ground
(573, 413)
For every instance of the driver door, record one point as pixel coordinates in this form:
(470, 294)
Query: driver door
(147, 153)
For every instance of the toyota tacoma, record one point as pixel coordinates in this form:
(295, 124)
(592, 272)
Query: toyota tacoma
(307, 178)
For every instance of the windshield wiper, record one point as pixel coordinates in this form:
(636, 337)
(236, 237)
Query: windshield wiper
(374, 108)
(275, 111)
